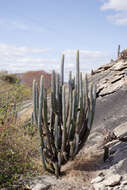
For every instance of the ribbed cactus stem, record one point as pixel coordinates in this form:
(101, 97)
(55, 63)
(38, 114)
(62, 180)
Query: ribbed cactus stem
(81, 101)
(45, 115)
(53, 91)
(70, 103)
(42, 155)
(37, 98)
(57, 86)
(34, 103)
(59, 159)
(53, 82)
(62, 70)
(36, 120)
(57, 169)
(86, 85)
(57, 93)
(118, 53)
(64, 119)
(77, 74)
(41, 101)
(76, 144)
(70, 79)
(56, 133)
(73, 103)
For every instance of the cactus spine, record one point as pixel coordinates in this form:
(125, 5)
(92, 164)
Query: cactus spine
(65, 124)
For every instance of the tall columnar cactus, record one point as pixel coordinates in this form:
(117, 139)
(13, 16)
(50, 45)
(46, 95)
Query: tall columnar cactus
(65, 122)
(118, 53)
(62, 70)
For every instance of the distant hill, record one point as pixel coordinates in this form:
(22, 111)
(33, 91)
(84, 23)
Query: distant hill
(28, 77)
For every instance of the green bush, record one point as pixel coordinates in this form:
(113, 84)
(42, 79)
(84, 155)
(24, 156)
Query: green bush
(11, 78)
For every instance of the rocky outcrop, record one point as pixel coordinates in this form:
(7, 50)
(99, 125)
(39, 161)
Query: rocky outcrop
(110, 77)
(113, 173)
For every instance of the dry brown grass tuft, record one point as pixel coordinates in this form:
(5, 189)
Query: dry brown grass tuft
(19, 154)
(84, 168)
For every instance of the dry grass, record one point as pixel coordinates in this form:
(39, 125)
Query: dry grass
(85, 165)
(19, 154)
(79, 172)
(19, 147)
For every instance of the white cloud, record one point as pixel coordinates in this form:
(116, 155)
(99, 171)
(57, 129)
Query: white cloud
(86, 53)
(88, 60)
(117, 5)
(12, 50)
(24, 25)
(13, 24)
(120, 7)
(21, 59)
(119, 19)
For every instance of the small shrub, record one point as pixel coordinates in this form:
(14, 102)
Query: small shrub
(19, 155)
(11, 78)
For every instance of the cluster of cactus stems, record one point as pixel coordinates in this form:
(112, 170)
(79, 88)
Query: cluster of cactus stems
(64, 122)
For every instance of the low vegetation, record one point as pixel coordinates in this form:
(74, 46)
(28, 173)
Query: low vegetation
(19, 154)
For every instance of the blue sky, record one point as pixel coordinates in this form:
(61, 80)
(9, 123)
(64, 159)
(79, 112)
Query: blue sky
(34, 34)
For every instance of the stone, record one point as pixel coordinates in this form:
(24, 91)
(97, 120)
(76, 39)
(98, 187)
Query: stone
(106, 66)
(124, 182)
(101, 174)
(40, 187)
(40, 182)
(99, 186)
(84, 188)
(97, 179)
(115, 79)
(119, 66)
(121, 129)
(111, 88)
(113, 180)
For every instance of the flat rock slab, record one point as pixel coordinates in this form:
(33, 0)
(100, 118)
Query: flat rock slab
(97, 179)
(111, 88)
(99, 186)
(121, 130)
(112, 180)
(119, 66)
(40, 183)
(40, 186)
